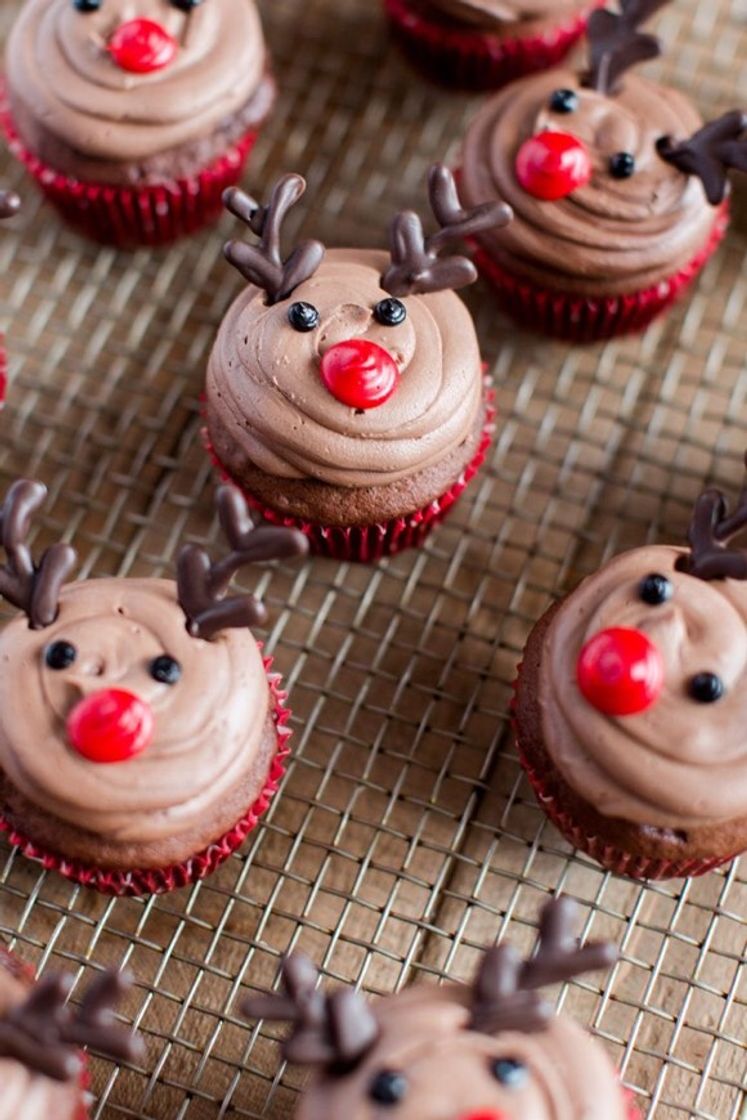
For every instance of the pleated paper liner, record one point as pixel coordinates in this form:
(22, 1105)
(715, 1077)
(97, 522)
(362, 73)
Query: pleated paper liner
(145, 881)
(477, 60)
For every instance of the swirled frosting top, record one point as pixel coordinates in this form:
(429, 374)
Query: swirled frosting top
(208, 725)
(59, 68)
(448, 1069)
(485, 14)
(614, 234)
(678, 764)
(273, 401)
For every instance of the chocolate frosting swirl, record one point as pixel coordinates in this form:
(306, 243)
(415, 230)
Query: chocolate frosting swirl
(25, 1095)
(60, 72)
(488, 15)
(447, 1067)
(207, 726)
(613, 235)
(679, 764)
(264, 378)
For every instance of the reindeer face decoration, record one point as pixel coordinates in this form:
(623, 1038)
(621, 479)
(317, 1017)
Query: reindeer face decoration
(602, 167)
(136, 710)
(492, 1050)
(651, 730)
(41, 1037)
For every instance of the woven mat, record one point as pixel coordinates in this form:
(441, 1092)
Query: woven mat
(405, 837)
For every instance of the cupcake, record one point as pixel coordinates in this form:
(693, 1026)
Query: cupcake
(631, 703)
(141, 732)
(492, 1049)
(10, 204)
(345, 391)
(42, 1070)
(133, 116)
(483, 44)
(618, 190)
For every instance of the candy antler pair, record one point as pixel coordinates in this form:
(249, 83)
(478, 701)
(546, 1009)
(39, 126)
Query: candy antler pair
(416, 265)
(203, 584)
(45, 1033)
(711, 528)
(337, 1031)
(33, 588)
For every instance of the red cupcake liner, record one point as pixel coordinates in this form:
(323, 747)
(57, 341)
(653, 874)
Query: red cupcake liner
(127, 217)
(610, 857)
(162, 879)
(470, 59)
(26, 974)
(632, 1107)
(3, 372)
(584, 319)
(368, 543)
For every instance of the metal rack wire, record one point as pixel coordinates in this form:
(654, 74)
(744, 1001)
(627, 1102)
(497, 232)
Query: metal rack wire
(405, 836)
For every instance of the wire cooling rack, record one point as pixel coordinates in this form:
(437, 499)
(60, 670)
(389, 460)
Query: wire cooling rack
(405, 836)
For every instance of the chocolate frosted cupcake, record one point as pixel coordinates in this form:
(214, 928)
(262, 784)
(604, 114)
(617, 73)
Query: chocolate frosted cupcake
(345, 391)
(141, 733)
(631, 705)
(133, 117)
(491, 1050)
(618, 192)
(482, 44)
(42, 1071)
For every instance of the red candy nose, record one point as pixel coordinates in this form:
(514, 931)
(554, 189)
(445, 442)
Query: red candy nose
(141, 45)
(359, 373)
(552, 164)
(484, 1114)
(620, 671)
(110, 726)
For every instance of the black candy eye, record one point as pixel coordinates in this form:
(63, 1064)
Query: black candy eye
(564, 101)
(510, 1072)
(388, 1087)
(707, 688)
(303, 317)
(390, 312)
(87, 5)
(60, 655)
(622, 165)
(165, 669)
(656, 589)
(186, 5)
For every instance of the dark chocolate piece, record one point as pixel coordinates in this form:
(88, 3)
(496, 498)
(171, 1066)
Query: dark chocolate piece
(263, 264)
(33, 588)
(616, 44)
(711, 529)
(333, 1031)
(45, 1033)
(711, 153)
(202, 585)
(416, 266)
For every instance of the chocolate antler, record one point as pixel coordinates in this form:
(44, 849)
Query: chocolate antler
(33, 588)
(711, 152)
(334, 1031)
(504, 990)
(711, 528)
(616, 44)
(44, 1032)
(416, 266)
(203, 585)
(263, 265)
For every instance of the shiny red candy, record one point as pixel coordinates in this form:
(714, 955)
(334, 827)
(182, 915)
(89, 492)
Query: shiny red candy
(359, 373)
(485, 1114)
(551, 165)
(110, 726)
(141, 46)
(620, 671)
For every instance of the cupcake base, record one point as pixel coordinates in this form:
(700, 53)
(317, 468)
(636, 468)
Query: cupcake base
(144, 881)
(368, 543)
(3, 372)
(585, 319)
(128, 217)
(477, 60)
(578, 821)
